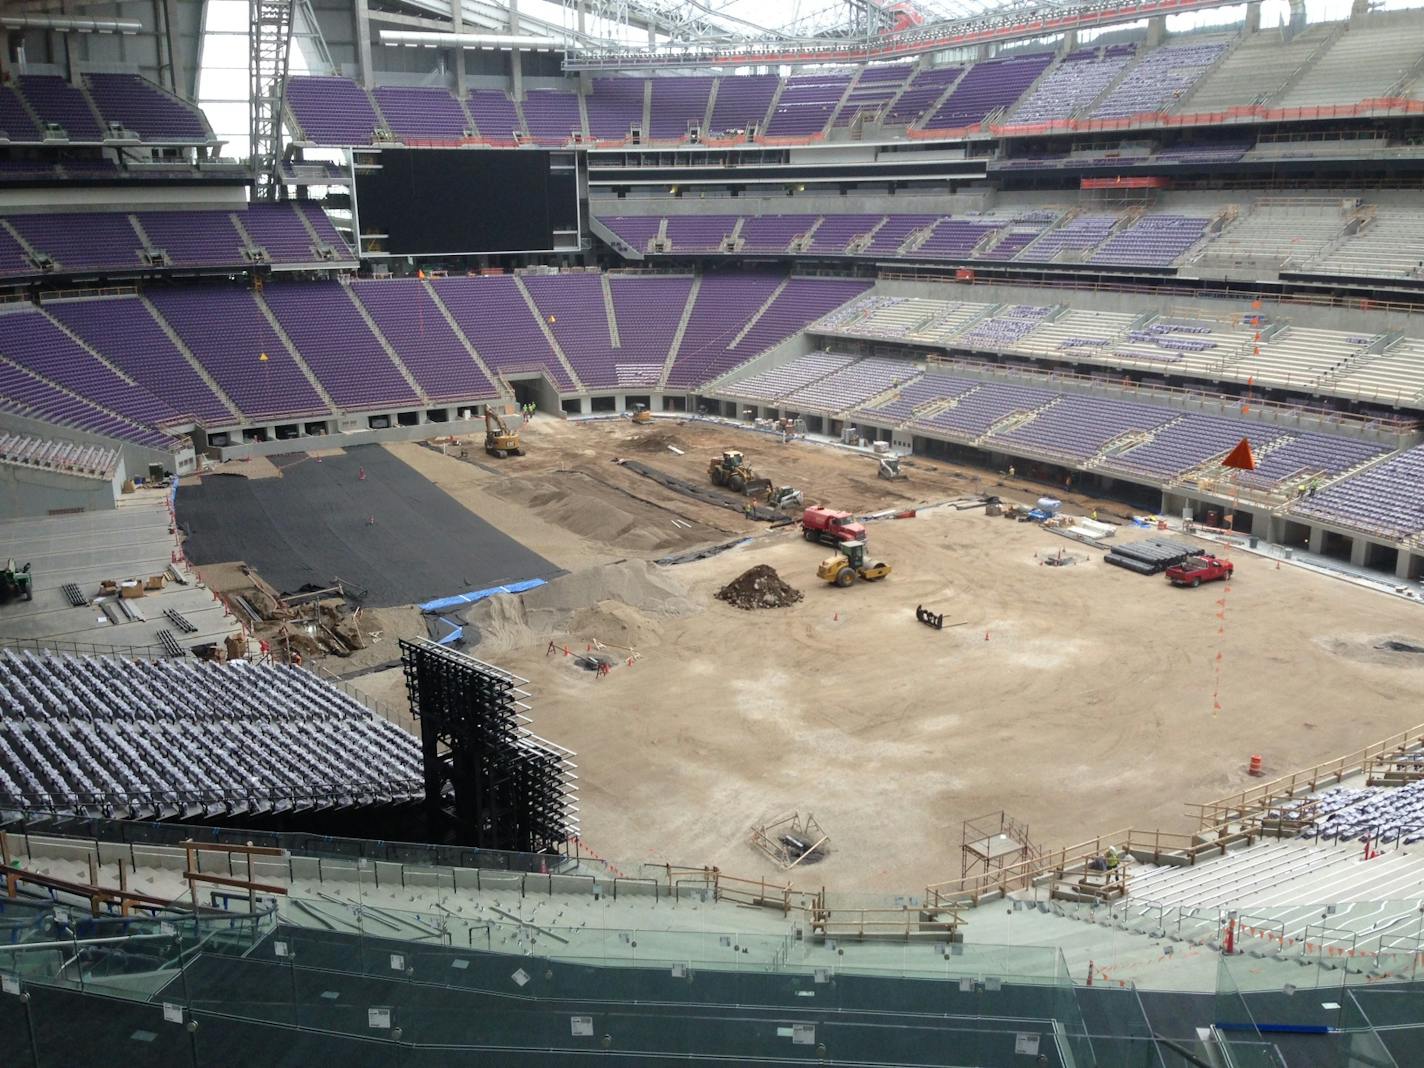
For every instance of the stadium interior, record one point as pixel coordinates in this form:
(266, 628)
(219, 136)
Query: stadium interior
(503, 543)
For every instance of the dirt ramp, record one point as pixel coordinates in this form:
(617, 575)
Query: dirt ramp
(759, 587)
(616, 603)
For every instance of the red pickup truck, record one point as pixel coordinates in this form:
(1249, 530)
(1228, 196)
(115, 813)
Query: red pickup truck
(1195, 570)
(831, 527)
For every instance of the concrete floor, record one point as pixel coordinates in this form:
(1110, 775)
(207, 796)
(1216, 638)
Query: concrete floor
(133, 541)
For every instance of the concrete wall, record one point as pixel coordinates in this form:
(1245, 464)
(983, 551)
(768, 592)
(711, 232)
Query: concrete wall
(33, 491)
(136, 457)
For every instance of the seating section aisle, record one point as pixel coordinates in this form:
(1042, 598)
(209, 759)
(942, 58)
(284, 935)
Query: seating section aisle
(160, 739)
(422, 114)
(331, 111)
(245, 356)
(33, 340)
(1386, 499)
(491, 312)
(336, 344)
(126, 334)
(728, 306)
(573, 308)
(141, 106)
(648, 311)
(406, 313)
(88, 242)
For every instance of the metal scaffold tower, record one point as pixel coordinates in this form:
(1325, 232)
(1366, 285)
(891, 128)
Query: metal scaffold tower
(269, 55)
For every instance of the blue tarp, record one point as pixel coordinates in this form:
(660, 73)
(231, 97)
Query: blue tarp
(444, 604)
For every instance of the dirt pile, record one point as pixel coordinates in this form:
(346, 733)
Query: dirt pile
(618, 604)
(657, 441)
(759, 587)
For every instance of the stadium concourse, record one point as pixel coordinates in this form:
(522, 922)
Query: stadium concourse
(393, 669)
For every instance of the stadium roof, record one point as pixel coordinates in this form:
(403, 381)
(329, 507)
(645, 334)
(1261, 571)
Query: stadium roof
(665, 33)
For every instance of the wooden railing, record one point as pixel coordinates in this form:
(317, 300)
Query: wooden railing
(1255, 801)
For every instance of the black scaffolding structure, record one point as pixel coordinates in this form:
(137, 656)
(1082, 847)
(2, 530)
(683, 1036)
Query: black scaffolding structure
(490, 781)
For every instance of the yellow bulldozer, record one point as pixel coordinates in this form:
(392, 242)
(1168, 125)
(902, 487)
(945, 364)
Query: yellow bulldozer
(849, 564)
(500, 440)
(732, 471)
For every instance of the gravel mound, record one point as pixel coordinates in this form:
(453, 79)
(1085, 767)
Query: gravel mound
(760, 587)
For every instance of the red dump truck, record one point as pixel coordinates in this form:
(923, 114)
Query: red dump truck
(1195, 570)
(831, 527)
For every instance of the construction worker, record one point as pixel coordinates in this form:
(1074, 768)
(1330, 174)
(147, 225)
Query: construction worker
(1113, 860)
(1011, 470)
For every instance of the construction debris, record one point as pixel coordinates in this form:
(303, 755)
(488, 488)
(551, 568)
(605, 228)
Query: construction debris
(789, 840)
(759, 587)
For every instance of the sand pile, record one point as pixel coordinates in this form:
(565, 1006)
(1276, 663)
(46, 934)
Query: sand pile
(592, 510)
(759, 587)
(619, 604)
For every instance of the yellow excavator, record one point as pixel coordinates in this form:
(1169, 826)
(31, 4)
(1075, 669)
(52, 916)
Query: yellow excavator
(849, 564)
(500, 440)
(640, 415)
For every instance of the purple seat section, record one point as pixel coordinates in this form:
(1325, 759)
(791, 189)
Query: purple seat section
(32, 340)
(82, 240)
(699, 233)
(421, 113)
(1160, 80)
(772, 233)
(806, 104)
(332, 111)
(277, 228)
(149, 111)
(228, 334)
(405, 312)
(127, 335)
(14, 120)
(894, 233)
(838, 231)
(1080, 427)
(194, 238)
(491, 312)
(14, 260)
(494, 114)
(53, 99)
(924, 89)
(26, 394)
(993, 84)
(614, 106)
(742, 100)
(338, 346)
(648, 311)
(328, 233)
(553, 116)
(1073, 84)
(678, 104)
(1387, 499)
(636, 230)
(724, 309)
(572, 306)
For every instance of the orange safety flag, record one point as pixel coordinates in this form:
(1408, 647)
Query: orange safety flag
(1241, 457)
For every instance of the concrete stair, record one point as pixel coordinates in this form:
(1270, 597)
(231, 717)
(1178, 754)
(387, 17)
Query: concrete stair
(495, 380)
(548, 334)
(746, 329)
(677, 336)
(613, 337)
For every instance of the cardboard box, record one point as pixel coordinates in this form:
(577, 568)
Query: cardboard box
(156, 582)
(131, 588)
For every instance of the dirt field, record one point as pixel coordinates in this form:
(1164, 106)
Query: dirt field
(1089, 707)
